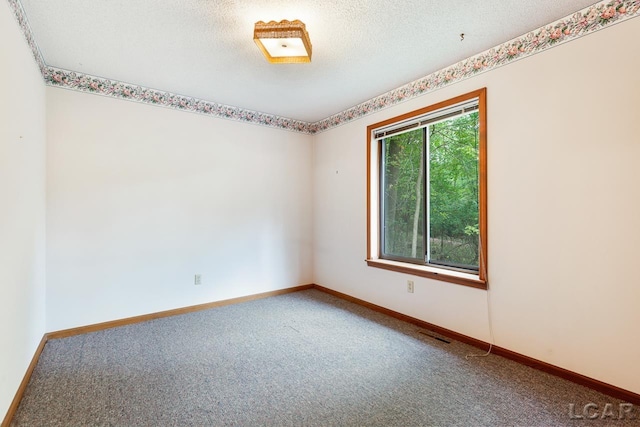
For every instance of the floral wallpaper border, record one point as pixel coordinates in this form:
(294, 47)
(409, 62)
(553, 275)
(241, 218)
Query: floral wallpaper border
(100, 86)
(586, 21)
(21, 17)
(581, 23)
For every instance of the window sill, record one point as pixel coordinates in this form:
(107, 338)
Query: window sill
(459, 278)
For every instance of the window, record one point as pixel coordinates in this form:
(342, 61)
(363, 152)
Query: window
(426, 199)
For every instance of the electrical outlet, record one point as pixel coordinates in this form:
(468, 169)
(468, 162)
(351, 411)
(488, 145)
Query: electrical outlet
(197, 280)
(410, 286)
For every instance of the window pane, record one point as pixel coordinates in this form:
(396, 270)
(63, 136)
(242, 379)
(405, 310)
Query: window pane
(434, 225)
(403, 195)
(453, 192)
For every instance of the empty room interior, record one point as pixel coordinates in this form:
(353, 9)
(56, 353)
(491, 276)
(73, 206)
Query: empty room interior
(154, 157)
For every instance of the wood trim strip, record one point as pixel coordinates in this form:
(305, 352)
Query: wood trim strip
(25, 381)
(174, 312)
(482, 184)
(602, 387)
(441, 276)
(405, 318)
(574, 377)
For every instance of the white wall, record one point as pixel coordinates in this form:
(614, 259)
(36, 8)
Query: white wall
(564, 204)
(141, 198)
(22, 207)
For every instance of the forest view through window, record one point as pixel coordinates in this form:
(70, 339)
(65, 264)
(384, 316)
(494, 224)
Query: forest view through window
(430, 182)
(431, 210)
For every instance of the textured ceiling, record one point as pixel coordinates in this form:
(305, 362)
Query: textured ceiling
(204, 48)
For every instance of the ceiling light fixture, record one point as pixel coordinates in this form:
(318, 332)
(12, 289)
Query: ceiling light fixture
(283, 42)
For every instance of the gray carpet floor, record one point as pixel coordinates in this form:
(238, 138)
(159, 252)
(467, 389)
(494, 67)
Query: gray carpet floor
(300, 359)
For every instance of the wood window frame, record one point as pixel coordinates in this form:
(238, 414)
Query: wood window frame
(374, 154)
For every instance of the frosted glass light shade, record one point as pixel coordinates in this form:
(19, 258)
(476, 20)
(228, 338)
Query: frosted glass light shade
(283, 42)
